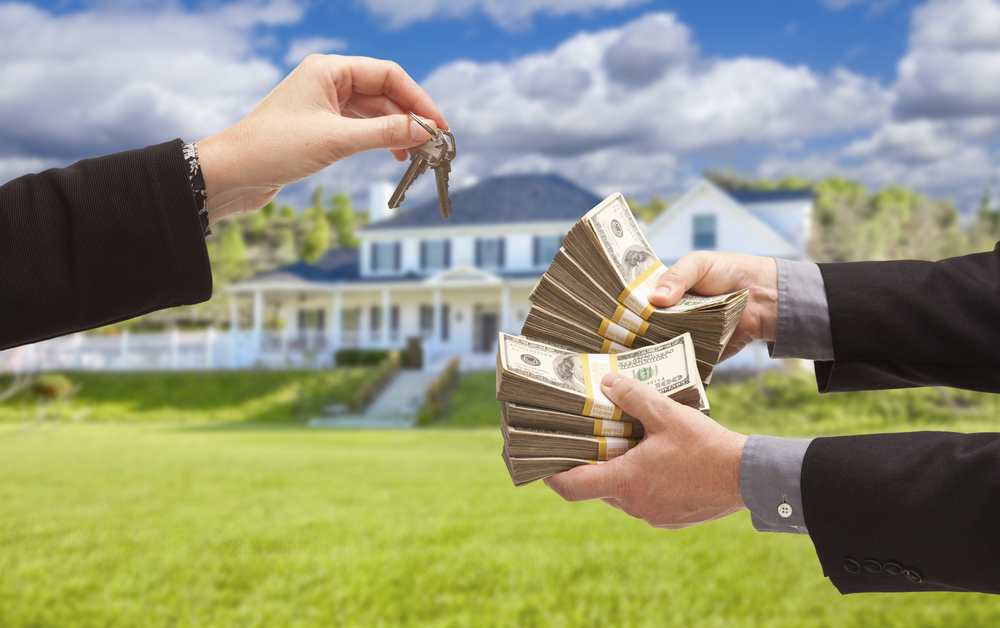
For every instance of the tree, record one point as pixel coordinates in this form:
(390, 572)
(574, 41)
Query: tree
(287, 212)
(317, 238)
(648, 212)
(229, 255)
(342, 217)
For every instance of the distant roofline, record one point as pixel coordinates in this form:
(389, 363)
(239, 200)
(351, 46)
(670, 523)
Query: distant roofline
(749, 197)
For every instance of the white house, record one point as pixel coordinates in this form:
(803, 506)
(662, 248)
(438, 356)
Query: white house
(456, 283)
(453, 283)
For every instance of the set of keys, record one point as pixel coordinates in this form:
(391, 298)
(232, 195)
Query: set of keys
(436, 153)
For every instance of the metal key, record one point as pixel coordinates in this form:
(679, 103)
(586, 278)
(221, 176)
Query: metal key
(437, 153)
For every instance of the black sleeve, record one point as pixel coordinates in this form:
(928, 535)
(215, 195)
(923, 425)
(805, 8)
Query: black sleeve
(905, 512)
(101, 241)
(909, 323)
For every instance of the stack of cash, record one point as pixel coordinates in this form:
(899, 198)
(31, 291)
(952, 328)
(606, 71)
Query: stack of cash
(554, 414)
(594, 295)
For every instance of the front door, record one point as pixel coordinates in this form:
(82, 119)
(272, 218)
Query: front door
(489, 328)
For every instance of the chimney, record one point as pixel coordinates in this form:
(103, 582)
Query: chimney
(378, 201)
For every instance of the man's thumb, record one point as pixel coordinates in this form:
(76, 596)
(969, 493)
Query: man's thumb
(392, 131)
(637, 399)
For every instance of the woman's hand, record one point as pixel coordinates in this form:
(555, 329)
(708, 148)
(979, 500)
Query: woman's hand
(328, 108)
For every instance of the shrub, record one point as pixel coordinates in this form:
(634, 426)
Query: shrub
(51, 387)
(362, 357)
(437, 393)
(370, 387)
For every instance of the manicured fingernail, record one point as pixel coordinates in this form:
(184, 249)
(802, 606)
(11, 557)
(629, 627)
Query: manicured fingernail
(611, 379)
(662, 291)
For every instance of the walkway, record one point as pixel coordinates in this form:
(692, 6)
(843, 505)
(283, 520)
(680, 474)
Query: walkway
(396, 407)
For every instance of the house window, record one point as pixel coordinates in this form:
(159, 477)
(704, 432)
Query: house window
(545, 248)
(394, 318)
(385, 256)
(375, 318)
(435, 254)
(312, 319)
(352, 319)
(444, 321)
(489, 253)
(426, 320)
(704, 232)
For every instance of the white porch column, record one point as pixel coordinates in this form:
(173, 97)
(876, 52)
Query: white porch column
(505, 309)
(385, 317)
(337, 319)
(124, 349)
(436, 340)
(258, 322)
(234, 326)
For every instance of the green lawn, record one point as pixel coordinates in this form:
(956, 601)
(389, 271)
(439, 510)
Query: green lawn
(196, 397)
(154, 524)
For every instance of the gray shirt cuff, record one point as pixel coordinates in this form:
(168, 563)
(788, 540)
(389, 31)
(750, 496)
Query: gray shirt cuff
(803, 313)
(770, 483)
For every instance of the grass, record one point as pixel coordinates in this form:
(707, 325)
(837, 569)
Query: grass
(144, 523)
(788, 405)
(151, 525)
(196, 397)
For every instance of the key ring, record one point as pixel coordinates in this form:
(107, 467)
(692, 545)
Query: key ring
(436, 135)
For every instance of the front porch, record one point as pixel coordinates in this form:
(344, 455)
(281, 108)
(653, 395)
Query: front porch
(282, 322)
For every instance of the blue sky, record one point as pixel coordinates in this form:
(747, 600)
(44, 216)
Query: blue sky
(630, 95)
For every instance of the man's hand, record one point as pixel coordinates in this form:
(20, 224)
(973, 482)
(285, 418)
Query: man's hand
(719, 273)
(685, 471)
(328, 108)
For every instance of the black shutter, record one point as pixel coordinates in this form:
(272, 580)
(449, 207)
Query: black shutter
(397, 256)
(444, 321)
(479, 252)
(321, 323)
(447, 253)
(536, 251)
(373, 256)
(500, 242)
(423, 255)
(394, 321)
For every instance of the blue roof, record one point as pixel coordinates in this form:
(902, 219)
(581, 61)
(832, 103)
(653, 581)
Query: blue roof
(342, 265)
(749, 197)
(516, 198)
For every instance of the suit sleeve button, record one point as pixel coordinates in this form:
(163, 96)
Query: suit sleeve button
(851, 565)
(784, 510)
(872, 565)
(913, 576)
(892, 568)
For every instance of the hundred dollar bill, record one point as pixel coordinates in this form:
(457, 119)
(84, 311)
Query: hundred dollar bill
(542, 375)
(611, 244)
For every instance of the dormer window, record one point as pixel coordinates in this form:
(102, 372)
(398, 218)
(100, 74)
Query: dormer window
(385, 256)
(435, 254)
(545, 248)
(704, 233)
(489, 253)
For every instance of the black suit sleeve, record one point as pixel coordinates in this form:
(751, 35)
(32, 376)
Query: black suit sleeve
(101, 241)
(909, 323)
(905, 512)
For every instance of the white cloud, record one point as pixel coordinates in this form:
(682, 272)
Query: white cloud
(586, 106)
(301, 48)
(509, 14)
(952, 68)
(94, 82)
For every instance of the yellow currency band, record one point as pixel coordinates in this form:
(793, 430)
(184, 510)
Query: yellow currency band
(595, 462)
(621, 312)
(602, 428)
(625, 340)
(610, 346)
(589, 383)
(655, 266)
(602, 447)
